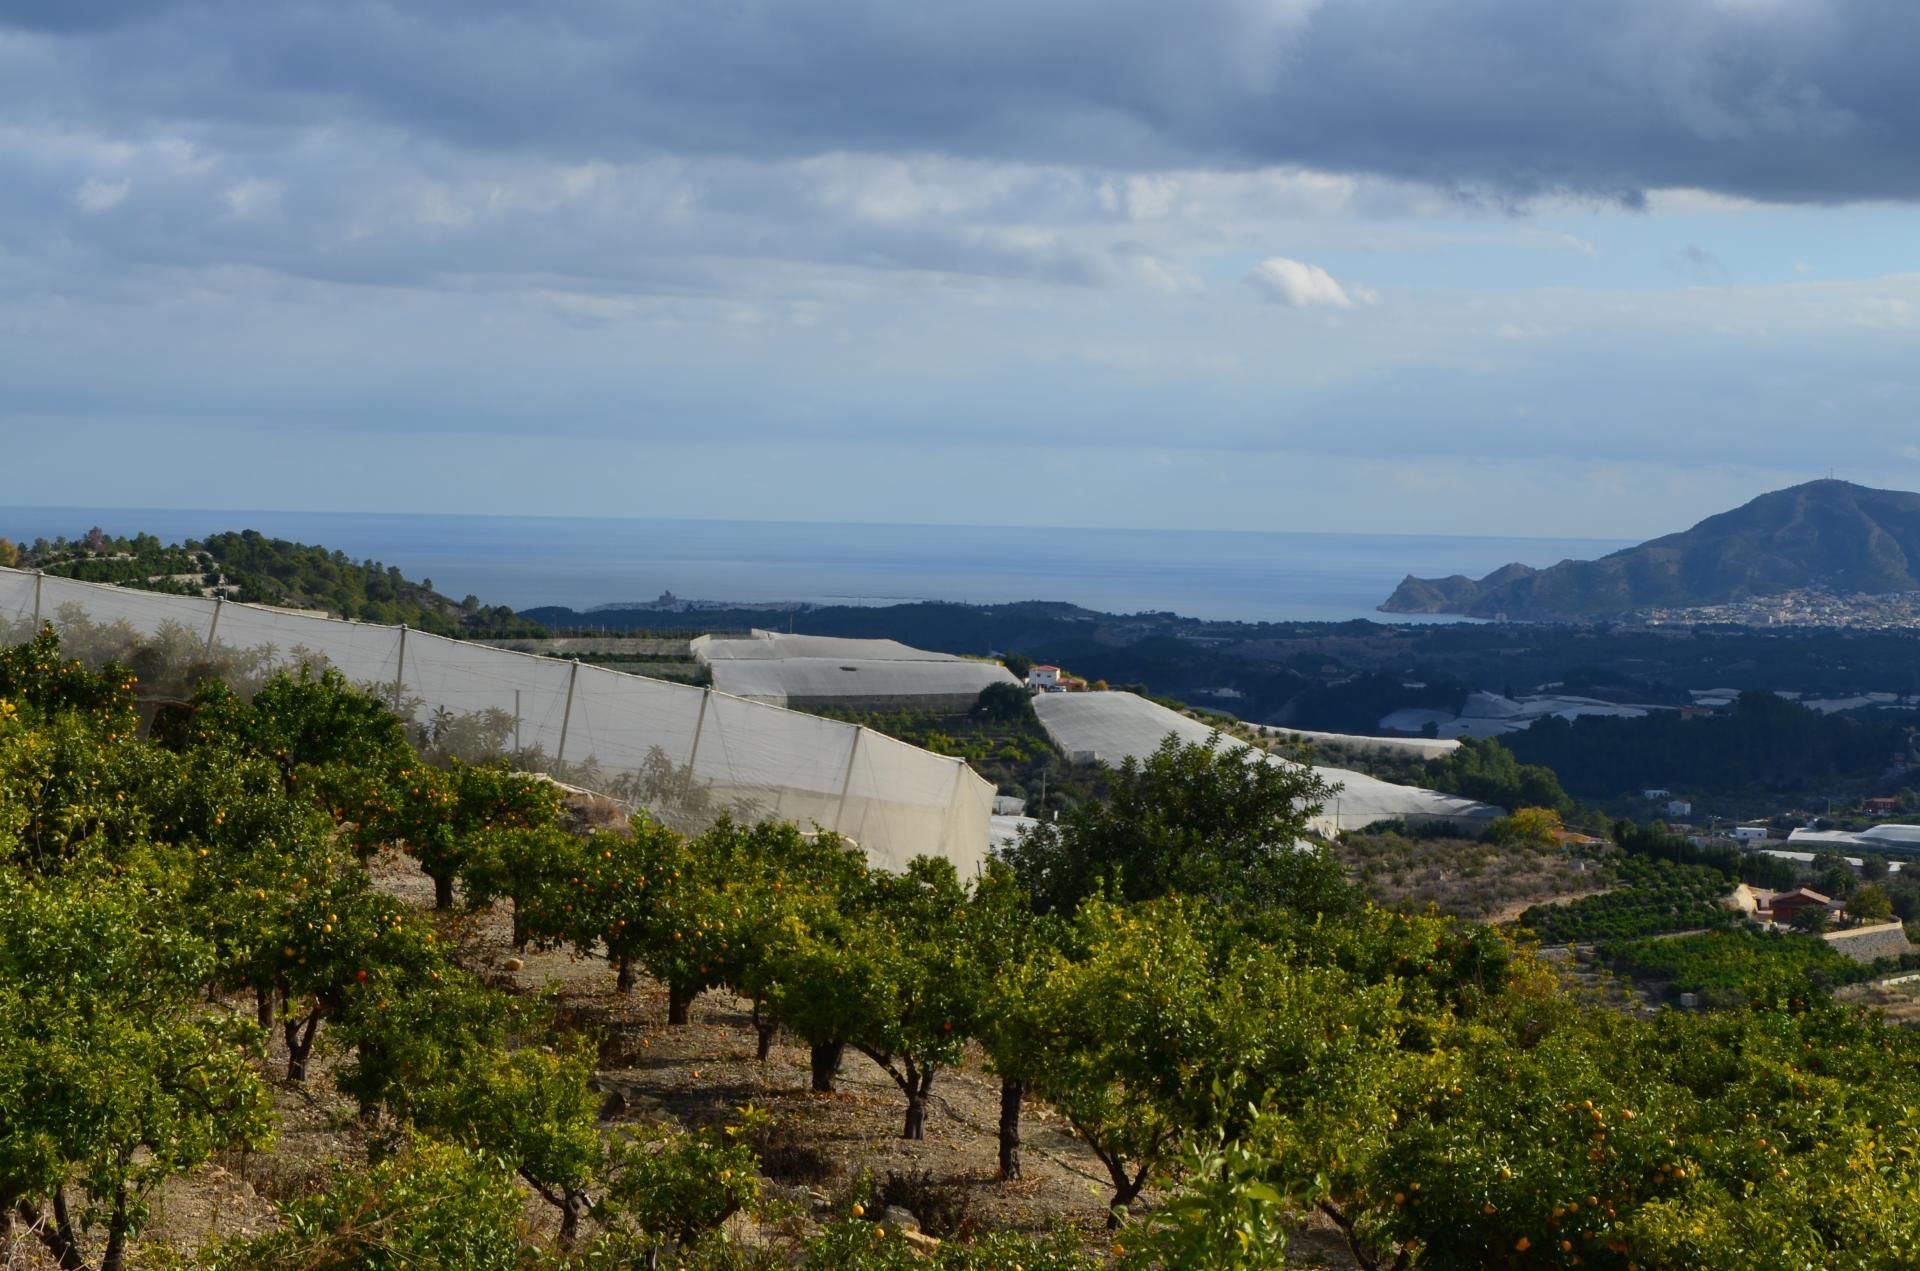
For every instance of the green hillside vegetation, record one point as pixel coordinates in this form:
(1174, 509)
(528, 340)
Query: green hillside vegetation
(1738, 966)
(1220, 1022)
(1830, 534)
(1763, 743)
(1652, 897)
(250, 566)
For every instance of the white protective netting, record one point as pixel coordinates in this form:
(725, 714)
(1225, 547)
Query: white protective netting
(1111, 727)
(685, 753)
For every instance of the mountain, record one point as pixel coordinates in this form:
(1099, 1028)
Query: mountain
(1831, 534)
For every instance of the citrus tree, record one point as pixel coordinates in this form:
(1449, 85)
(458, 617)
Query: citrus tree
(439, 816)
(1007, 950)
(429, 1207)
(114, 1074)
(1203, 819)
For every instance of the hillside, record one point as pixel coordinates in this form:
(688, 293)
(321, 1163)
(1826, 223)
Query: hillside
(1825, 534)
(249, 566)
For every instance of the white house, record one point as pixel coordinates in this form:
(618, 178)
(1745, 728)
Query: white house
(1746, 835)
(1044, 678)
(1679, 807)
(1654, 796)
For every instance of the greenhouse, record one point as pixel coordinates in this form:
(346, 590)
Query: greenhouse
(687, 754)
(826, 673)
(1109, 727)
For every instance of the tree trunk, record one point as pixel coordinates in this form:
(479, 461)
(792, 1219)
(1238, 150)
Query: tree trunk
(826, 1065)
(918, 1084)
(56, 1233)
(623, 980)
(115, 1257)
(764, 1030)
(299, 1045)
(1012, 1091)
(263, 1007)
(678, 1000)
(569, 1220)
(1124, 1195)
(443, 891)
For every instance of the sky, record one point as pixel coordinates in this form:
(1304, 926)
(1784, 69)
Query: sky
(1424, 266)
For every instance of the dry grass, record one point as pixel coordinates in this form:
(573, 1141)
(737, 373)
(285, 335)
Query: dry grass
(1465, 877)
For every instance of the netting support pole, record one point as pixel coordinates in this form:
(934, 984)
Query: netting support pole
(400, 669)
(213, 627)
(39, 577)
(699, 725)
(953, 809)
(566, 715)
(853, 753)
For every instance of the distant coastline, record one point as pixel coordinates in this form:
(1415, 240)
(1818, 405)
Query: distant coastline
(585, 563)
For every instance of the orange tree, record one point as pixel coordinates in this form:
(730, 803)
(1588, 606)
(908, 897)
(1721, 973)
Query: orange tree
(316, 936)
(919, 1002)
(114, 1075)
(755, 879)
(38, 680)
(70, 785)
(429, 1205)
(1008, 948)
(673, 1191)
(322, 733)
(1578, 1137)
(1164, 1026)
(439, 815)
(1113, 1024)
(535, 869)
(1203, 819)
(878, 971)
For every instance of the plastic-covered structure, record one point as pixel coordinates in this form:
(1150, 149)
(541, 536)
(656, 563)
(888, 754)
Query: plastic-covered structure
(832, 672)
(685, 753)
(1108, 727)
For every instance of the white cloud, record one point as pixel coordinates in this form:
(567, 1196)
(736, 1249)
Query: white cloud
(250, 199)
(1300, 285)
(97, 195)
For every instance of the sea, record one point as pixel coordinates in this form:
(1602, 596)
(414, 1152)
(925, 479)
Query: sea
(589, 562)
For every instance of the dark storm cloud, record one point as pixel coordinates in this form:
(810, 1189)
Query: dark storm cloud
(1788, 100)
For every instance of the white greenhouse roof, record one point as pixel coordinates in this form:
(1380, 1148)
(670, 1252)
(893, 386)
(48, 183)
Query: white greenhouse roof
(777, 646)
(822, 679)
(1108, 727)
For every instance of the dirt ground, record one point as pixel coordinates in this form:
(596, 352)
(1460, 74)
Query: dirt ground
(691, 1075)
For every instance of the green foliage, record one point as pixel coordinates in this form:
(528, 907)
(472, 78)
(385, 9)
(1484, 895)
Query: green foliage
(250, 566)
(114, 1075)
(1655, 896)
(1657, 843)
(1765, 742)
(438, 815)
(866, 1246)
(1870, 903)
(1226, 1216)
(676, 1190)
(1739, 967)
(431, 1207)
(1006, 703)
(35, 678)
(1527, 825)
(1486, 770)
(1205, 819)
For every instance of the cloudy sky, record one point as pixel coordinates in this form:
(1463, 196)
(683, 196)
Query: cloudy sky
(1467, 266)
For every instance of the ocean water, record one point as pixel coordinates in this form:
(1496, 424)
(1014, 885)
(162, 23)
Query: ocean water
(587, 561)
